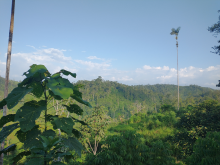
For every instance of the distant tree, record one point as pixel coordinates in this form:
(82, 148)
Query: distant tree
(176, 32)
(98, 122)
(216, 28)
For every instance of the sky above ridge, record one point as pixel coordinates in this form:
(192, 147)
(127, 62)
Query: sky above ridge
(126, 41)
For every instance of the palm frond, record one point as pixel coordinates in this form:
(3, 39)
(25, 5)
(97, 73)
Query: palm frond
(175, 31)
(178, 29)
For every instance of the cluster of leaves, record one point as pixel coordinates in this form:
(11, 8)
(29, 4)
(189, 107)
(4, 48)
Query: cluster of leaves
(42, 146)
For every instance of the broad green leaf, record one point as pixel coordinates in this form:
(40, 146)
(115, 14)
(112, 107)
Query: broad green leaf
(37, 151)
(65, 124)
(56, 75)
(61, 87)
(68, 158)
(6, 119)
(31, 138)
(37, 89)
(16, 95)
(21, 135)
(61, 154)
(66, 73)
(73, 144)
(35, 161)
(48, 133)
(80, 100)
(45, 141)
(73, 108)
(55, 96)
(54, 141)
(76, 133)
(26, 82)
(8, 149)
(37, 71)
(49, 142)
(52, 152)
(7, 130)
(27, 125)
(28, 113)
(82, 122)
(21, 155)
(3, 103)
(77, 92)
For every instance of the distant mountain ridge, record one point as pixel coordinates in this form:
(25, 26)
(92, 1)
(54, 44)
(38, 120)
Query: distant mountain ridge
(123, 100)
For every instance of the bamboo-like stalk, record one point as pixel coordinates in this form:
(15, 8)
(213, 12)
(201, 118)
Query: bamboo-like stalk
(176, 33)
(177, 73)
(8, 70)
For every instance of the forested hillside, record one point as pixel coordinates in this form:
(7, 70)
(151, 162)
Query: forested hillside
(122, 101)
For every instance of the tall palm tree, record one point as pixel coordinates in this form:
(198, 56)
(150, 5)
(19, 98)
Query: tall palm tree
(176, 32)
(8, 69)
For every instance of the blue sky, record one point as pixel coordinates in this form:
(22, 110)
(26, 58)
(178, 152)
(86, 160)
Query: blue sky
(127, 41)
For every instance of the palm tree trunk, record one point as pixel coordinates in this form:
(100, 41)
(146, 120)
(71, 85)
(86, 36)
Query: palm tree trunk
(8, 69)
(177, 73)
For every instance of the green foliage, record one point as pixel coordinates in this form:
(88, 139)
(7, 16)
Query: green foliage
(160, 153)
(136, 118)
(194, 124)
(93, 135)
(169, 118)
(129, 149)
(166, 108)
(206, 150)
(121, 149)
(121, 128)
(42, 146)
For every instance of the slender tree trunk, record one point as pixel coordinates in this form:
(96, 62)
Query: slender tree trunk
(8, 69)
(177, 73)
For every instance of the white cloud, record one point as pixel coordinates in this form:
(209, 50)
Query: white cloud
(93, 65)
(165, 67)
(211, 68)
(94, 58)
(125, 78)
(31, 47)
(164, 77)
(147, 67)
(55, 60)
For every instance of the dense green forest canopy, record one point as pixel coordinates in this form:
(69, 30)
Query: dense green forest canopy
(123, 101)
